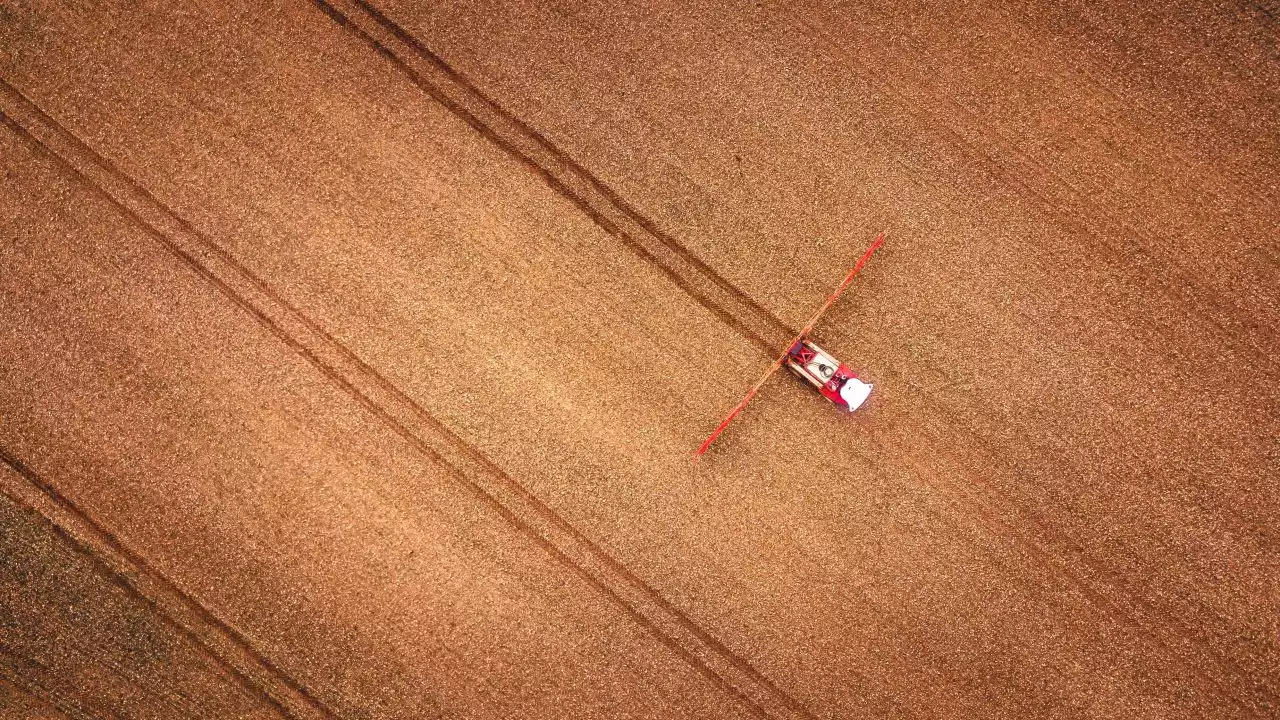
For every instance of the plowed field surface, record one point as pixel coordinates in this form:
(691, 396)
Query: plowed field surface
(353, 354)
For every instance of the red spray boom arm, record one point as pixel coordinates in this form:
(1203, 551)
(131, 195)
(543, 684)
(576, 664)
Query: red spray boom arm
(848, 279)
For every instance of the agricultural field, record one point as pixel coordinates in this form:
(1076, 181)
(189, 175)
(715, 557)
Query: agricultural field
(353, 354)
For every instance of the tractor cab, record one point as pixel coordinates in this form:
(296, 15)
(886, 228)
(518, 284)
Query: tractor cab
(829, 376)
(835, 381)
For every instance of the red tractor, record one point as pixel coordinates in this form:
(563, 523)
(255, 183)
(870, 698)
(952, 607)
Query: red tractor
(832, 378)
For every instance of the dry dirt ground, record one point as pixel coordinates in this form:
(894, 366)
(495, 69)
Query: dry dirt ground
(352, 355)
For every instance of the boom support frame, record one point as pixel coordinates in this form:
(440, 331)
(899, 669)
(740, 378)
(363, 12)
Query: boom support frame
(848, 279)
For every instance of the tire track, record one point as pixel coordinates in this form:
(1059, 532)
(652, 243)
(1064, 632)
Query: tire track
(562, 173)
(14, 689)
(544, 174)
(449, 87)
(15, 671)
(133, 574)
(472, 470)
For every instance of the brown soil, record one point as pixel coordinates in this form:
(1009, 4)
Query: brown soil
(352, 357)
